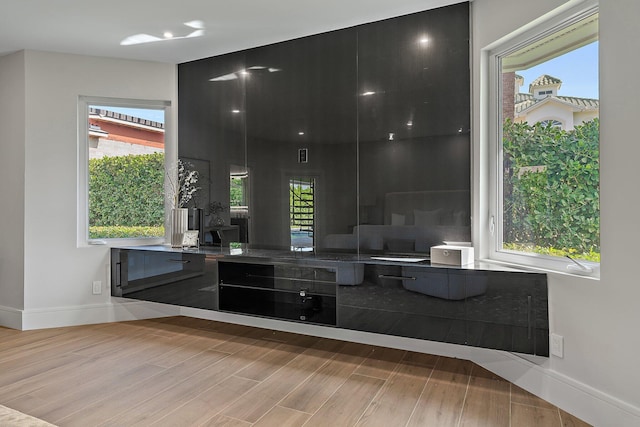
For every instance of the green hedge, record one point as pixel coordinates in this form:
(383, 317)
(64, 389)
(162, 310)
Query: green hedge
(116, 232)
(552, 188)
(127, 191)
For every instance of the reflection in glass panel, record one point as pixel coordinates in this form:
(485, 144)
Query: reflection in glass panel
(381, 113)
(239, 201)
(302, 213)
(301, 124)
(414, 131)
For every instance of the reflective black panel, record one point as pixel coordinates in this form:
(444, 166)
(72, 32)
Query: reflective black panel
(169, 277)
(348, 141)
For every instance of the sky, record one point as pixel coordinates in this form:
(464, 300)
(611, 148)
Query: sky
(577, 69)
(143, 113)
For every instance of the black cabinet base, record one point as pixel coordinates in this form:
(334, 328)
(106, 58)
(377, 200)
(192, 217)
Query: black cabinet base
(318, 309)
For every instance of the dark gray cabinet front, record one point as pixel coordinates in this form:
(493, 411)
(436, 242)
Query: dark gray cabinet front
(490, 309)
(287, 292)
(177, 278)
(504, 310)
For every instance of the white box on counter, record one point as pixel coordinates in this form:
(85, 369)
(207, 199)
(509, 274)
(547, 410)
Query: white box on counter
(451, 255)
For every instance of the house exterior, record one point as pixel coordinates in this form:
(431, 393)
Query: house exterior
(543, 104)
(115, 134)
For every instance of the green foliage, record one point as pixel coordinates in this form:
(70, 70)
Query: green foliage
(551, 188)
(127, 191)
(586, 256)
(236, 190)
(117, 232)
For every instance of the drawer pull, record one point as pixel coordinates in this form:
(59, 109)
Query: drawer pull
(385, 276)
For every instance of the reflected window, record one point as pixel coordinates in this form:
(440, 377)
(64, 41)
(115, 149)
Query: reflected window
(239, 201)
(302, 213)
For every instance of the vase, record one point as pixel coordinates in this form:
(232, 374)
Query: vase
(179, 224)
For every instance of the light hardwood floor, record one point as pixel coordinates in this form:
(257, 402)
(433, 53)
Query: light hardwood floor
(181, 371)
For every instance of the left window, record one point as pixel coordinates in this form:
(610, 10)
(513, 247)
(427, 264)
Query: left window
(122, 162)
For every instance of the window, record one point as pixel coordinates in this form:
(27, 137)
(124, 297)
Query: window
(122, 165)
(546, 209)
(551, 122)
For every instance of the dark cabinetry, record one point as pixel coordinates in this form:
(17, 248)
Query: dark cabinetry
(481, 306)
(169, 277)
(491, 309)
(289, 292)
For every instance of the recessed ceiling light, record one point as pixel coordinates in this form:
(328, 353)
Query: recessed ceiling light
(198, 26)
(300, 133)
(368, 93)
(235, 111)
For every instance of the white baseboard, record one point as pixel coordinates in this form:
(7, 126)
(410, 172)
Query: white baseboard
(10, 317)
(115, 311)
(591, 405)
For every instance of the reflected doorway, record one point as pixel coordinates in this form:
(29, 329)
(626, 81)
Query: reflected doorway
(239, 201)
(302, 216)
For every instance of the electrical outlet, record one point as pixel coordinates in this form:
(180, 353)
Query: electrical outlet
(557, 345)
(97, 287)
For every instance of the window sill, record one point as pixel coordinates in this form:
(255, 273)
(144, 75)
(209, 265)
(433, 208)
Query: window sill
(125, 242)
(595, 275)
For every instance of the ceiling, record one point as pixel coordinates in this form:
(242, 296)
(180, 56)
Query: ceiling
(97, 27)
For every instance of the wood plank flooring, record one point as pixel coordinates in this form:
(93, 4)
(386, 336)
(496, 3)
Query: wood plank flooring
(181, 371)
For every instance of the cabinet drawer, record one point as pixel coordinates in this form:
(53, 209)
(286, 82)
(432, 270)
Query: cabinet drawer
(309, 307)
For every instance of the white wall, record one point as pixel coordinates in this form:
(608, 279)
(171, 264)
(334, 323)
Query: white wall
(12, 119)
(598, 319)
(58, 274)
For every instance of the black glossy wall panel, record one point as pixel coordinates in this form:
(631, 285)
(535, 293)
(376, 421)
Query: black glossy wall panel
(382, 108)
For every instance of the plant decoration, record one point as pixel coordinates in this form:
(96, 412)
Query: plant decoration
(182, 182)
(216, 208)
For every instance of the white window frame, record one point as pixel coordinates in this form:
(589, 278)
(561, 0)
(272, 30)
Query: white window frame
(83, 166)
(561, 17)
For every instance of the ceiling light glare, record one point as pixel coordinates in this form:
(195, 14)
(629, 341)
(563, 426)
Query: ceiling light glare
(273, 70)
(300, 133)
(196, 33)
(424, 40)
(197, 24)
(139, 39)
(235, 111)
(409, 123)
(224, 78)
(368, 93)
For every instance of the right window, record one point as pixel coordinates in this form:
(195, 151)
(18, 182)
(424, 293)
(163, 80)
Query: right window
(547, 165)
